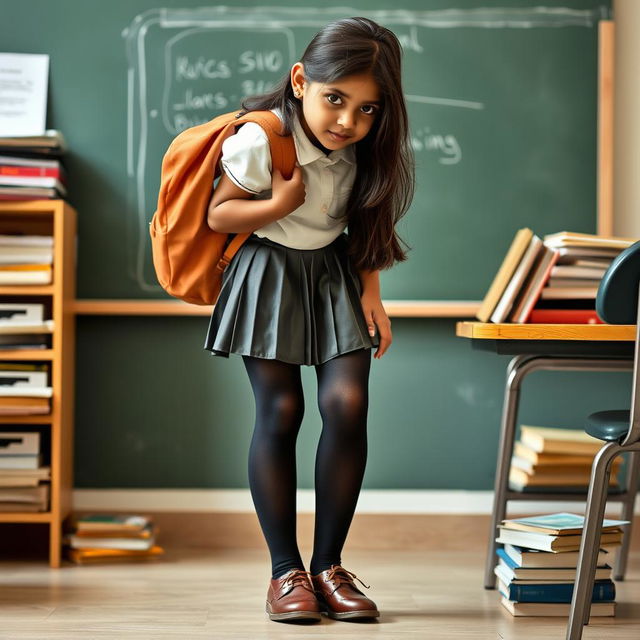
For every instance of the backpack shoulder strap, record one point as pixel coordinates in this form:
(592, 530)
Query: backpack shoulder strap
(283, 158)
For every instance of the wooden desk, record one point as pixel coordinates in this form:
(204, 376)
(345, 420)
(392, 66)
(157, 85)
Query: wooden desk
(551, 347)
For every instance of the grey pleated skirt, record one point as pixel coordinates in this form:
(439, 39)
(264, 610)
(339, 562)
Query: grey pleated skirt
(300, 306)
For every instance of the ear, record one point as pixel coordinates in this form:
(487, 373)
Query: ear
(297, 78)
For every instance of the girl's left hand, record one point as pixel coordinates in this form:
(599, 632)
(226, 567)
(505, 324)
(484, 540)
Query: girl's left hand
(376, 316)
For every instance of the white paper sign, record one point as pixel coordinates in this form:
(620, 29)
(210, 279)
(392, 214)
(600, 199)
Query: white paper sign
(23, 93)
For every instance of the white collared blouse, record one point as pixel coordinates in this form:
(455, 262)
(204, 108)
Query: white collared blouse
(328, 180)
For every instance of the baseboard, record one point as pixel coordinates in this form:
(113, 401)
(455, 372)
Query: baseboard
(457, 521)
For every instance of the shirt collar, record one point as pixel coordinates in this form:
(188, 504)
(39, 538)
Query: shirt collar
(307, 152)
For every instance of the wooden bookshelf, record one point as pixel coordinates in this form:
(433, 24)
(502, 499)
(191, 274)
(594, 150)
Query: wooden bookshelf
(57, 218)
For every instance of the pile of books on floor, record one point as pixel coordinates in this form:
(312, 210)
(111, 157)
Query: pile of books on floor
(30, 167)
(24, 389)
(26, 259)
(107, 538)
(536, 569)
(551, 281)
(555, 460)
(23, 480)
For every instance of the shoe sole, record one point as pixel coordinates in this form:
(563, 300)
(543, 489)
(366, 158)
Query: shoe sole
(351, 615)
(293, 615)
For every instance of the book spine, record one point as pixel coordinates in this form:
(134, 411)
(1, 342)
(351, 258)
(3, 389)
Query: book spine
(602, 592)
(31, 172)
(564, 316)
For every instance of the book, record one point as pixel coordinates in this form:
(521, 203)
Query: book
(19, 276)
(27, 193)
(564, 316)
(52, 139)
(532, 288)
(556, 440)
(33, 181)
(20, 255)
(578, 272)
(558, 293)
(603, 591)
(572, 282)
(18, 406)
(522, 271)
(553, 609)
(21, 461)
(523, 452)
(559, 524)
(26, 392)
(519, 478)
(572, 238)
(19, 443)
(15, 327)
(555, 544)
(39, 163)
(568, 255)
(536, 559)
(20, 314)
(517, 249)
(111, 522)
(34, 495)
(96, 556)
(513, 571)
(130, 543)
(25, 240)
(32, 170)
(548, 469)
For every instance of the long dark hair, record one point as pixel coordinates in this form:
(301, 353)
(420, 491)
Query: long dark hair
(384, 184)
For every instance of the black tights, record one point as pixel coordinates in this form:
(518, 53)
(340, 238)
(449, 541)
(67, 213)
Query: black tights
(340, 459)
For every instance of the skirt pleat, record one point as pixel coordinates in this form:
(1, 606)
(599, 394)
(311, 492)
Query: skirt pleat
(300, 306)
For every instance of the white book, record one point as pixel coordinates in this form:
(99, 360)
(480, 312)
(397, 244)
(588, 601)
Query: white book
(20, 328)
(19, 443)
(33, 181)
(25, 494)
(26, 392)
(18, 314)
(42, 473)
(15, 381)
(83, 542)
(25, 277)
(26, 255)
(20, 462)
(30, 162)
(573, 271)
(19, 240)
(535, 559)
(543, 576)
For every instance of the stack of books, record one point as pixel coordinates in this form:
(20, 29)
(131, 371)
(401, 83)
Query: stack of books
(26, 259)
(23, 480)
(24, 389)
(554, 280)
(536, 570)
(112, 537)
(555, 460)
(30, 167)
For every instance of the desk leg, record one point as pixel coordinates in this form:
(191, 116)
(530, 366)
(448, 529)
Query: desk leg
(505, 449)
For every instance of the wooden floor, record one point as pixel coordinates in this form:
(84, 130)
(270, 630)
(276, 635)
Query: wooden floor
(220, 594)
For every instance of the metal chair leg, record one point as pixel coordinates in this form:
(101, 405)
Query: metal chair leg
(590, 543)
(633, 475)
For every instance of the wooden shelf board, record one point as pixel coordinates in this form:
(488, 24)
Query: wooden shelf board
(26, 354)
(26, 290)
(30, 419)
(25, 516)
(490, 331)
(395, 308)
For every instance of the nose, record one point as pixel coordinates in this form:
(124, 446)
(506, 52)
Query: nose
(346, 120)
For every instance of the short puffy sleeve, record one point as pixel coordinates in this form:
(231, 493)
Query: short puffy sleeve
(246, 158)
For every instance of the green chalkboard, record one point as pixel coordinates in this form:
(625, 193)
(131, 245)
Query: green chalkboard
(502, 103)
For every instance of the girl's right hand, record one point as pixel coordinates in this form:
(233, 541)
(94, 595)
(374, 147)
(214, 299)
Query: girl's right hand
(287, 195)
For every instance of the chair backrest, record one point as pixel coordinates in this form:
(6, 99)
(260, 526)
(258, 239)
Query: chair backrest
(617, 303)
(617, 299)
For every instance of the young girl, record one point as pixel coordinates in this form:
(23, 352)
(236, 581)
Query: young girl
(302, 292)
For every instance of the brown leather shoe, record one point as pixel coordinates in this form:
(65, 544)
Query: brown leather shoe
(291, 597)
(340, 598)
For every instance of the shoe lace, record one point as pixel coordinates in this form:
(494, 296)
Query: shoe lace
(299, 578)
(340, 576)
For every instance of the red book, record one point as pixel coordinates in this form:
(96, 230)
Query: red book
(564, 316)
(31, 172)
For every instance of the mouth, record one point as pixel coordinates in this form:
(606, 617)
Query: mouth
(337, 137)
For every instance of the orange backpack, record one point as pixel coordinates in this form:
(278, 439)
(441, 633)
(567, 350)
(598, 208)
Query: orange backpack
(188, 256)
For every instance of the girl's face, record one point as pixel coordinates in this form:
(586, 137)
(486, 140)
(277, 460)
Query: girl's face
(338, 113)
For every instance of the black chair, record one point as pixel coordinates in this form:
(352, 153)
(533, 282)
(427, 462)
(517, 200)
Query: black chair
(616, 303)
